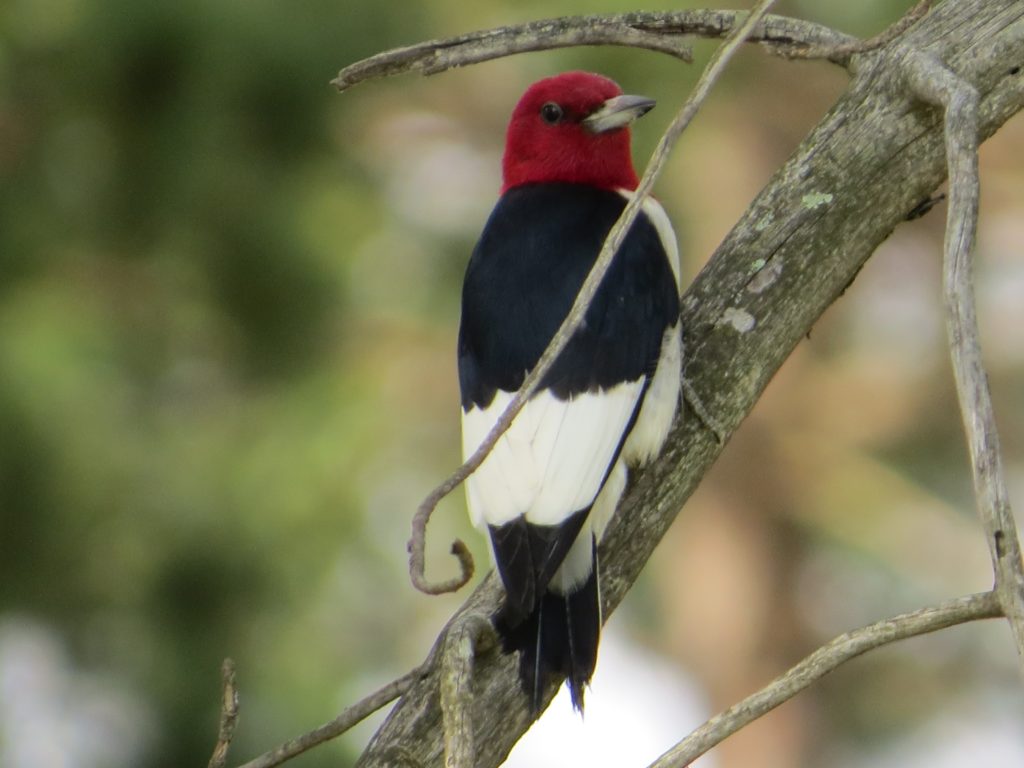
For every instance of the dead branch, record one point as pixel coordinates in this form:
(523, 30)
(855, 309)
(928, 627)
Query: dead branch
(228, 715)
(843, 52)
(658, 31)
(343, 722)
(933, 82)
(824, 660)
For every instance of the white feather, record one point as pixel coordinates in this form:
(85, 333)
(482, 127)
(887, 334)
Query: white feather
(577, 565)
(604, 507)
(660, 403)
(553, 459)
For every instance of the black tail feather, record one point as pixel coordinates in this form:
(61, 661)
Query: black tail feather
(528, 556)
(556, 641)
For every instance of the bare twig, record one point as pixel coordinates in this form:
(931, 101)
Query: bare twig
(656, 31)
(418, 540)
(572, 321)
(933, 82)
(350, 717)
(463, 641)
(228, 715)
(435, 56)
(824, 660)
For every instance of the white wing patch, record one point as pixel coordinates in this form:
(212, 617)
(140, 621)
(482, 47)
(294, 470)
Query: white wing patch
(662, 399)
(553, 459)
(660, 403)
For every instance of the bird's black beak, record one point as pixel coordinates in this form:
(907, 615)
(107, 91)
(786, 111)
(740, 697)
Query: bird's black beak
(617, 112)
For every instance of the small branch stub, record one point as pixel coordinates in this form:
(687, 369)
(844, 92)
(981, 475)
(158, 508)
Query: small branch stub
(228, 715)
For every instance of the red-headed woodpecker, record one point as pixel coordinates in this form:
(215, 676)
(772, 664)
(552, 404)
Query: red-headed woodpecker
(550, 486)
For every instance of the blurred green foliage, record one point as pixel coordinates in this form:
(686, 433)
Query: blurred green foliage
(177, 417)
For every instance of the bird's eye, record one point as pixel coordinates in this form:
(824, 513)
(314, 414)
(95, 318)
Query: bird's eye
(551, 113)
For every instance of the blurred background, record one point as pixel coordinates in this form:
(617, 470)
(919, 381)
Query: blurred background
(228, 307)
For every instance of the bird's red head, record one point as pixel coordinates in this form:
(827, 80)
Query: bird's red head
(572, 128)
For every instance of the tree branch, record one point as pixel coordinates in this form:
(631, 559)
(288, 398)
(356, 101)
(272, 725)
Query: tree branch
(658, 31)
(343, 722)
(862, 170)
(824, 660)
(842, 52)
(933, 82)
(228, 715)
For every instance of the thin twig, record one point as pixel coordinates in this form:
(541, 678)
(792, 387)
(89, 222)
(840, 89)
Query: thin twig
(656, 31)
(418, 539)
(933, 82)
(343, 722)
(824, 660)
(586, 294)
(434, 56)
(228, 715)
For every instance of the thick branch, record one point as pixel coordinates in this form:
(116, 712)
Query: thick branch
(870, 163)
(824, 660)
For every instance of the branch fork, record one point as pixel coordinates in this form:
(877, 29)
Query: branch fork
(933, 82)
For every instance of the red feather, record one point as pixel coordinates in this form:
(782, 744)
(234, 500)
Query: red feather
(538, 152)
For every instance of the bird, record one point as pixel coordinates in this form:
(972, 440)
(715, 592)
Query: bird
(547, 490)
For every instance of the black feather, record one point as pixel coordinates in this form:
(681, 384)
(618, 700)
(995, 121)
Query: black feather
(528, 556)
(530, 262)
(557, 641)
